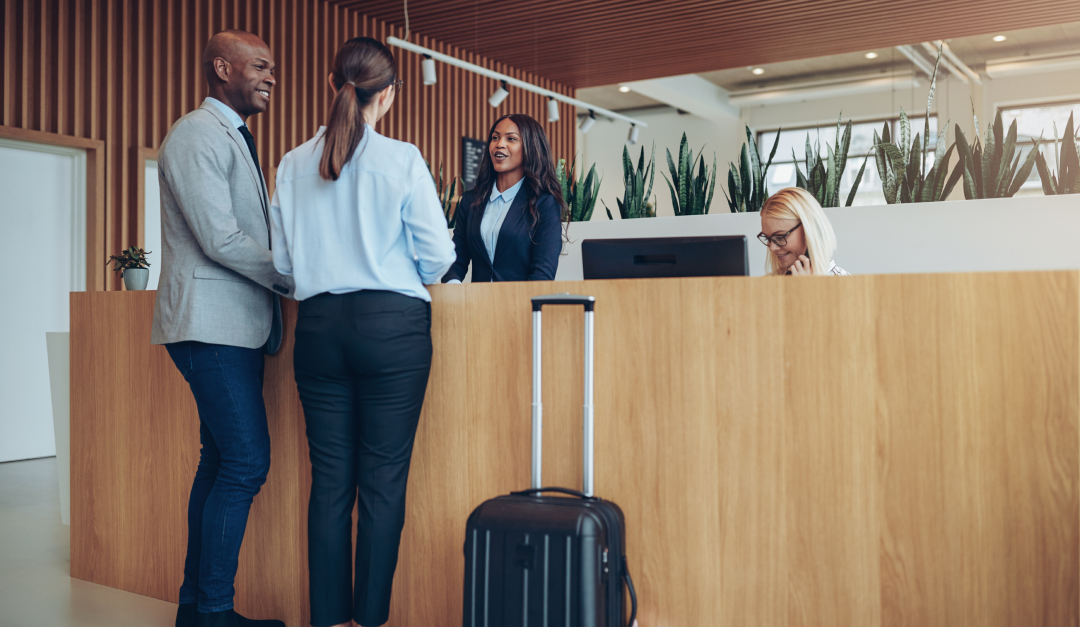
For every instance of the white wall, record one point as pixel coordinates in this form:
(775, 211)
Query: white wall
(953, 101)
(1003, 234)
(603, 145)
(42, 243)
(152, 222)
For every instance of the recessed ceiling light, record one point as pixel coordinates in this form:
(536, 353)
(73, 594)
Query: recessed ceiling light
(1000, 38)
(871, 55)
(624, 88)
(758, 71)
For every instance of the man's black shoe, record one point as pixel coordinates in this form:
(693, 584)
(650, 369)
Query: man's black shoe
(185, 615)
(229, 618)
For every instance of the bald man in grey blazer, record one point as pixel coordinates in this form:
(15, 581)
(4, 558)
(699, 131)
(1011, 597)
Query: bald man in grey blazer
(217, 312)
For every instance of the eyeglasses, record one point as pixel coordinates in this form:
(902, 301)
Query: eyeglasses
(780, 239)
(398, 85)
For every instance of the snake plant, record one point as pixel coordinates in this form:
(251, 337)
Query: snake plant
(986, 167)
(746, 183)
(580, 194)
(446, 194)
(1067, 179)
(903, 171)
(635, 203)
(822, 178)
(690, 194)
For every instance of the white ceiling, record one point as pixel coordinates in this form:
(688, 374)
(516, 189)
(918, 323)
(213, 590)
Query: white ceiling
(974, 51)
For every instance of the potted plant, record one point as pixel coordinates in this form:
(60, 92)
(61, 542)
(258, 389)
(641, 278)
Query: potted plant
(822, 178)
(902, 167)
(748, 187)
(1067, 160)
(133, 266)
(446, 194)
(690, 194)
(580, 194)
(635, 203)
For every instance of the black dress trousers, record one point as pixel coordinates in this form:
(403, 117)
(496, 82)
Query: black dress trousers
(362, 361)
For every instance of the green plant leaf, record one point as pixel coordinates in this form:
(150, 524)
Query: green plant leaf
(755, 173)
(957, 173)
(858, 179)
(832, 181)
(1000, 177)
(905, 136)
(674, 195)
(711, 186)
(747, 185)
(1025, 170)
(1047, 179)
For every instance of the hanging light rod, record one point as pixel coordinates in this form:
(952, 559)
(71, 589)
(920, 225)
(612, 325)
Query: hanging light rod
(394, 41)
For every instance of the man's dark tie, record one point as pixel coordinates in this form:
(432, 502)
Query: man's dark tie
(251, 146)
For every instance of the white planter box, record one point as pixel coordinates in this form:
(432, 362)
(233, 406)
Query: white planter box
(1029, 233)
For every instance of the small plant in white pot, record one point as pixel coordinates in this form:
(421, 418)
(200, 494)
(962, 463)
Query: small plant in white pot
(133, 266)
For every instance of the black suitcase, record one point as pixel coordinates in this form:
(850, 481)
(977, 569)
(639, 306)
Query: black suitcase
(549, 561)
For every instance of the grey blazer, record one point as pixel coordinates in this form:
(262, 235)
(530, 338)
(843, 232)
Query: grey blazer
(217, 272)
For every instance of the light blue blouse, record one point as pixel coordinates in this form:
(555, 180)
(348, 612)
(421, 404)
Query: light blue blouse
(495, 214)
(380, 226)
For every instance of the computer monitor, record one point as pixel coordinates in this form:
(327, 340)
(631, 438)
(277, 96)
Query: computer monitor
(663, 257)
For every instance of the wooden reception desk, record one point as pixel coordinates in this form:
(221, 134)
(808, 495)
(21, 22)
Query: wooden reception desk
(876, 450)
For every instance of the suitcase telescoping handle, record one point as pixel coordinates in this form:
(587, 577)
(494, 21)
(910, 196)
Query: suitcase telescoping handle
(538, 303)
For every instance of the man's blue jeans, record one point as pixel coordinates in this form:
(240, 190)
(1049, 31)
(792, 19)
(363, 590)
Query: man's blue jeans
(227, 383)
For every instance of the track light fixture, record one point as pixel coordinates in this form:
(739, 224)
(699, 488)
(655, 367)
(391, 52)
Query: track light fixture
(633, 134)
(500, 94)
(553, 110)
(588, 122)
(428, 67)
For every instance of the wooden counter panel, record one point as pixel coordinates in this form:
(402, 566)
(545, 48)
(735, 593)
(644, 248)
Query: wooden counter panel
(888, 450)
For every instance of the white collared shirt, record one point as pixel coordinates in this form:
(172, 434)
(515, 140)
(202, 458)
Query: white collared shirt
(836, 270)
(233, 116)
(380, 226)
(495, 214)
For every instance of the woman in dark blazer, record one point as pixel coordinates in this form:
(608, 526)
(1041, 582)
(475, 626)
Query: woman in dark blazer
(510, 225)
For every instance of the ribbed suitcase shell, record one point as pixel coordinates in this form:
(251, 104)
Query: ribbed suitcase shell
(548, 561)
(543, 561)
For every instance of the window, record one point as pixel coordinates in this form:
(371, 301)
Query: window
(782, 171)
(1033, 121)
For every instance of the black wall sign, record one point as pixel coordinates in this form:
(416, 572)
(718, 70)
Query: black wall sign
(472, 154)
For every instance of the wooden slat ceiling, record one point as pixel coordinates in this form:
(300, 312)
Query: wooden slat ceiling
(582, 44)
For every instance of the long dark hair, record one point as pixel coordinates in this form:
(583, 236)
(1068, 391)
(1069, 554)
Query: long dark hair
(539, 167)
(367, 66)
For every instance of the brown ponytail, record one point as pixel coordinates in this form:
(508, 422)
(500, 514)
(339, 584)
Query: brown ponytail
(362, 68)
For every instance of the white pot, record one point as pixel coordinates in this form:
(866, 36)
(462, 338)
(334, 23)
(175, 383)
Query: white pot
(136, 278)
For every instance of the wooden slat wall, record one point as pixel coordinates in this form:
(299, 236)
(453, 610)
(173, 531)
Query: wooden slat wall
(124, 71)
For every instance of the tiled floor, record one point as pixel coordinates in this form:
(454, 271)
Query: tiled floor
(35, 588)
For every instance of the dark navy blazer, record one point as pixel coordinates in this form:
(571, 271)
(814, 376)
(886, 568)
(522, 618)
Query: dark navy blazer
(518, 257)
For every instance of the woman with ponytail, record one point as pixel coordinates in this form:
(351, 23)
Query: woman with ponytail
(510, 225)
(357, 223)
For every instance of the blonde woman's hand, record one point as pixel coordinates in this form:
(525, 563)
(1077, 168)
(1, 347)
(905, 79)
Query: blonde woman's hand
(802, 267)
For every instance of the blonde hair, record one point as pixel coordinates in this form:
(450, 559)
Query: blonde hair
(793, 203)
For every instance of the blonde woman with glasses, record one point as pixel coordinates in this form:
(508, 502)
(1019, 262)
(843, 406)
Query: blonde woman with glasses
(800, 239)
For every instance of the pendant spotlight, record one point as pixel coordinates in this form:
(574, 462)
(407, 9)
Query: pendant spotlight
(633, 134)
(428, 67)
(553, 110)
(588, 122)
(500, 94)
